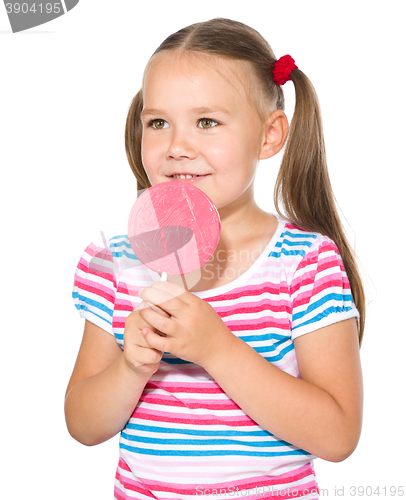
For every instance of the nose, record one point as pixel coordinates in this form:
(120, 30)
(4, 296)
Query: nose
(181, 147)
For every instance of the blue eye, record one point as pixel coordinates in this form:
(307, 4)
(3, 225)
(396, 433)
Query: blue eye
(207, 123)
(158, 124)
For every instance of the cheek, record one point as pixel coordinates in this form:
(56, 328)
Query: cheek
(149, 152)
(232, 153)
(222, 151)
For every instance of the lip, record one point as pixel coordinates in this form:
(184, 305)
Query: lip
(192, 180)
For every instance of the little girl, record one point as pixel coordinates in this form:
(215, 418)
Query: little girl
(234, 386)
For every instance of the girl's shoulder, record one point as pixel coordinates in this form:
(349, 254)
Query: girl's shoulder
(296, 241)
(107, 277)
(299, 252)
(108, 255)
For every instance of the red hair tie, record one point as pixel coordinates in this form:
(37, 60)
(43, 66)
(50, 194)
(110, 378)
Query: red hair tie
(282, 69)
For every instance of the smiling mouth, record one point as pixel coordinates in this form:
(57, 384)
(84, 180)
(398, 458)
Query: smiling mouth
(185, 176)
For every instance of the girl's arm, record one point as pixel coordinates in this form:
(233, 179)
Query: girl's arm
(321, 412)
(107, 382)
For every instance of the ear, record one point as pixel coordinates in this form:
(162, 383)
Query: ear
(276, 132)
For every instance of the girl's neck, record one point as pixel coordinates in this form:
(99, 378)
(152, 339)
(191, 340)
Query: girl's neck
(241, 224)
(244, 236)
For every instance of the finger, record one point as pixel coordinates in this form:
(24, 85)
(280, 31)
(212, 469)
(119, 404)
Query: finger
(155, 341)
(172, 288)
(157, 321)
(133, 335)
(143, 305)
(147, 355)
(134, 338)
(162, 299)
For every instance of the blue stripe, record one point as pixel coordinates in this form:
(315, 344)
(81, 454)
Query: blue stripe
(302, 253)
(281, 355)
(300, 243)
(203, 442)
(323, 314)
(338, 297)
(174, 360)
(287, 243)
(92, 303)
(266, 336)
(208, 453)
(121, 243)
(84, 308)
(123, 253)
(120, 251)
(193, 432)
(119, 236)
(300, 235)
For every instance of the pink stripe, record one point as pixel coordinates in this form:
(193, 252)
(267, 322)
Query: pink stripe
(307, 295)
(118, 494)
(318, 256)
(292, 226)
(314, 275)
(84, 267)
(119, 320)
(244, 484)
(96, 288)
(201, 465)
(124, 305)
(132, 485)
(267, 305)
(179, 418)
(93, 249)
(195, 404)
(332, 265)
(250, 291)
(287, 361)
(127, 289)
(247, 483)
(319, 285)
(258, 324)
(123, 465)
(204, 388)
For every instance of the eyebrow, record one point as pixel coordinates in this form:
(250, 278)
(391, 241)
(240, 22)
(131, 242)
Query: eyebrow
(199, 111)
(214, 109)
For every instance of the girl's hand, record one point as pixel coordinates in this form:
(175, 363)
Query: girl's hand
(139, 356)
(193, 332)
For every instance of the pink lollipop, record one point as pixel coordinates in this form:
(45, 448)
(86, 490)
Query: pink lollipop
(173, 228)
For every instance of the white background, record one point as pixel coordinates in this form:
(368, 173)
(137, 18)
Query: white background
(65, 90)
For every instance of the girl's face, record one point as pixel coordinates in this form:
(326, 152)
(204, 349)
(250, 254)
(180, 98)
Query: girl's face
(198, 120)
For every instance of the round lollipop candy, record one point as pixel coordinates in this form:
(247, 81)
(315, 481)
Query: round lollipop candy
(173, 228)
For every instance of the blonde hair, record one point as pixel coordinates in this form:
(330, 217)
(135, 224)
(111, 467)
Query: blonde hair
(303, 186)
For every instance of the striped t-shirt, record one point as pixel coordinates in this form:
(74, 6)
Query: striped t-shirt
(186, 438)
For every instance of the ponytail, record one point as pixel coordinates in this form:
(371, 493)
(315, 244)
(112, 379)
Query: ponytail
(303, 186)
(133, 135)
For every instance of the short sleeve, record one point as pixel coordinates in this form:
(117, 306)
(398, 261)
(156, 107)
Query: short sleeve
(320, 289)
(95, 286)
